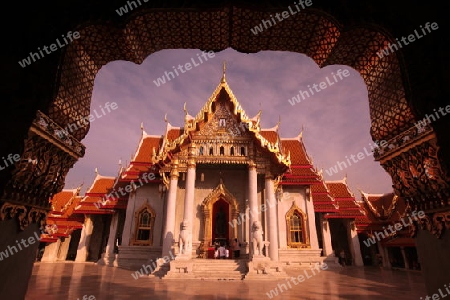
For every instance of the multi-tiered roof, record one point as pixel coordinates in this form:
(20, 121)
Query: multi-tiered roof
(61, 220)
(382, 210)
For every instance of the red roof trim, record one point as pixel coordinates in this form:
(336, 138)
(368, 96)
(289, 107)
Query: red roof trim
(296, 183)
(93, 212)
(299, 176)
(48, 240)
(141, 163)
(301, 166)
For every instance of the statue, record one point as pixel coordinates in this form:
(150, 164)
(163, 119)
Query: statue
(257, 238)
(185, 238)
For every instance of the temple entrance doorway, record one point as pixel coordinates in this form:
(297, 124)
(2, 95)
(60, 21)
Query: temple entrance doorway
(221, 217)
(219, 208)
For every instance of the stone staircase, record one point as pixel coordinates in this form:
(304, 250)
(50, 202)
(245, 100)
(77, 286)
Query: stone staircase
(213, 269)
(300, 258)
(132, 257)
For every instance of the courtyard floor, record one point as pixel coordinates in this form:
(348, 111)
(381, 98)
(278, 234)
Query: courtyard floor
(70, 280)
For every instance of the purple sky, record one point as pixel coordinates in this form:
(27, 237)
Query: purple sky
(335, 120)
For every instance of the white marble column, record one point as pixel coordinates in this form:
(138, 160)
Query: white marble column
(272, 217)
(357, 257)
(189, 195)
(313, 240)
(129, 219)
(63, 249)
(86, 233)
(109, 257)
(253, 193)
(51, 252)
(169, 226)
(326, 237)
(252, 200)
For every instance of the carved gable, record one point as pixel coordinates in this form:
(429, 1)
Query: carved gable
(223, 123)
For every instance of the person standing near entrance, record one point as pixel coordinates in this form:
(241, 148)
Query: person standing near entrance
(236, 246)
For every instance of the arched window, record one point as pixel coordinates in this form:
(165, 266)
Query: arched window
(243, 151)
(222, 150)
(211, 151)
(297, 236)
(145, 219)
(232, 150)
(201, 150)
(296, 229)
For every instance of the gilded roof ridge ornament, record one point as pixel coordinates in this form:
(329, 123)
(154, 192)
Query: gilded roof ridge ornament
(224, 70)
(143, 132)
(278, 124)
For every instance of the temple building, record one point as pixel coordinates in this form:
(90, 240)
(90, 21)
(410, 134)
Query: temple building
(390, 248)
(218, 178)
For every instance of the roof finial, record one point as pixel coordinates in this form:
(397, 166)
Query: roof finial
(184, 108)
(96, 171)
(165, 118)
(142, 126)
(224, 69)
(279, 122)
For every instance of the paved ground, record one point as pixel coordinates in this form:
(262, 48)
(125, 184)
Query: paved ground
(74, 280)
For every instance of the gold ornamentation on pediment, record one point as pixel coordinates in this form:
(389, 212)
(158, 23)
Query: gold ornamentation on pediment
(222, 124)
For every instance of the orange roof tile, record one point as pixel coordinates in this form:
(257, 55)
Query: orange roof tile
(94, 196)
(339, 190)
(145, 150)
(322, 200)
(348, 207)
(60, 199)
(174, 133)
(297, 151)
(101, 185)
(269, 135)
(308, 171)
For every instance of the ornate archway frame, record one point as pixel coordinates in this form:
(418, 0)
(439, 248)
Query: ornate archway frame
(134, 242)
(294, 208)
(220, 192)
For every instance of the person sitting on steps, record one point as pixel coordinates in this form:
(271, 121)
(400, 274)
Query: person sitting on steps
(222, 251)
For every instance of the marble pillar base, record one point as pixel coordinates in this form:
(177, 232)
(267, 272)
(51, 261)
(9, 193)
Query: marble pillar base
(261, 267)
(108, 260)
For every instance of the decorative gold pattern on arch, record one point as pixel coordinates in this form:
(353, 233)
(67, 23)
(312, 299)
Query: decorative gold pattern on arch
(135, 241)
(220, 192)
(292, 211)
